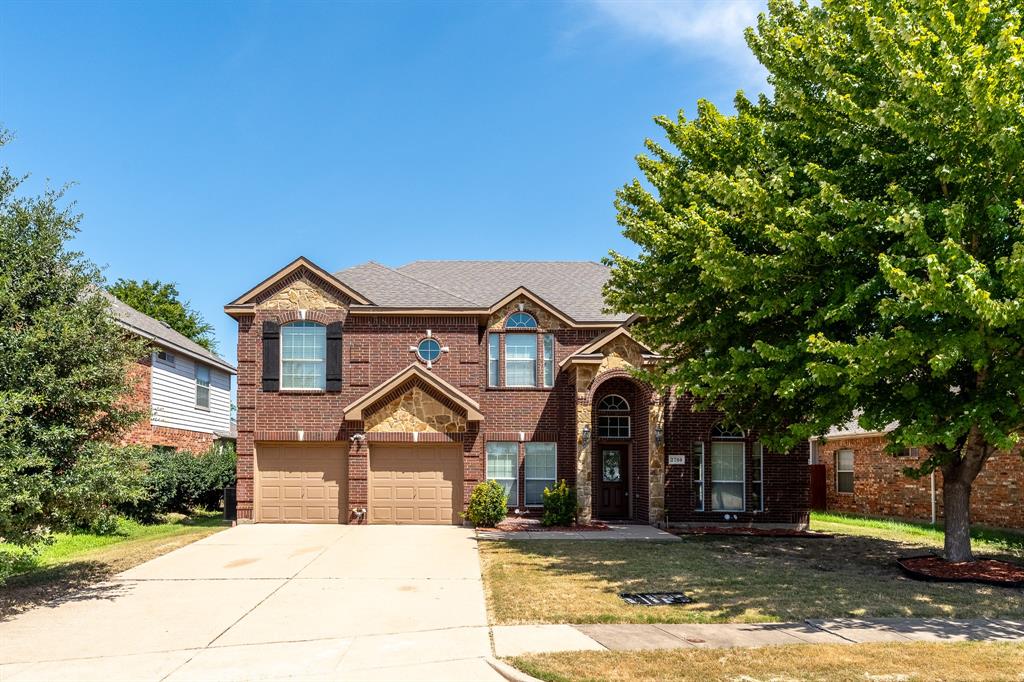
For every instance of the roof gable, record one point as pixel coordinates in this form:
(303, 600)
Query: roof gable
(523, 292)
(301, 266)
(615, 341)
(355, 410)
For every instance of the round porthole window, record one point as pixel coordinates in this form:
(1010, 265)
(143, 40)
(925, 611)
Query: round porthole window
(429, 350)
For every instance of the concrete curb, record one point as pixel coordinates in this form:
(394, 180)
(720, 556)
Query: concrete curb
(509, 673)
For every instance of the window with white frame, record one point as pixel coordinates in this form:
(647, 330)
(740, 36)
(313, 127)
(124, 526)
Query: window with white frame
(541, 463)
(303, 356)
(493, 360)
(728, 482)
(757, 476)
(202, 386)
(521, 360)
(613, 417)
(521, 320)
(164, 356)
(844, 471)
(549, 360)
(698, 475)
(503, 467)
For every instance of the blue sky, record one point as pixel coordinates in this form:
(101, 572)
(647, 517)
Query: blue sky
(212, 143)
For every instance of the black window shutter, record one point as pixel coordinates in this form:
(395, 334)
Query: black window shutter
(271, 356)
(334, 356)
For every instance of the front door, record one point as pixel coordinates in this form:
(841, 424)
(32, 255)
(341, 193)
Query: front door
(613, 500)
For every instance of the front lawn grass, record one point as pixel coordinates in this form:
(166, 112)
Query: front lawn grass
(966, 662)
(78, 559)
(736, 579)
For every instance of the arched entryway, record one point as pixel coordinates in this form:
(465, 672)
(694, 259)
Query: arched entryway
(620, 449)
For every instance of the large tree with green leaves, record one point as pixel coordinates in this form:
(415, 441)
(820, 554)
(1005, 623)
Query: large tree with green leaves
(161, 300)
(850, 246)
(63, 375)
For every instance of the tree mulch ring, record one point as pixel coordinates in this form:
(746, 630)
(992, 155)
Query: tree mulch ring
(534, 526)
(751, 532)
(933, 568)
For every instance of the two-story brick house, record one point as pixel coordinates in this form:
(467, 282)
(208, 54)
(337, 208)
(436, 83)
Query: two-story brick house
(384, 395)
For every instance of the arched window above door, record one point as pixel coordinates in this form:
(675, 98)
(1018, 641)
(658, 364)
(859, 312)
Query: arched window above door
(613, 417)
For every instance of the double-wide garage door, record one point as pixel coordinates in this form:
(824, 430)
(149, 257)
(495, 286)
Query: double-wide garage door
(300, 483)
(307, 483)
(415, 484)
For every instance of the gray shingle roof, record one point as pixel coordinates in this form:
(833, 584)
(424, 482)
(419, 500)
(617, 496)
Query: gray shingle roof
(161, 334)
(574, 287)
(388, 287)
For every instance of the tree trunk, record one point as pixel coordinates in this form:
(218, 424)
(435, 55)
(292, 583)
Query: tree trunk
(958, 475)
(956, 502)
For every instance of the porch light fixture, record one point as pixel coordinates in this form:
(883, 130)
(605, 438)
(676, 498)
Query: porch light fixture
(585, 435)
(659, 435)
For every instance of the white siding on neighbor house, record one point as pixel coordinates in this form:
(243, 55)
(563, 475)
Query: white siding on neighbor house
(174, 396)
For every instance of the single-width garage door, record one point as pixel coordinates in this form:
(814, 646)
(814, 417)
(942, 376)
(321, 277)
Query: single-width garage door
(415, 484)
(300, 483)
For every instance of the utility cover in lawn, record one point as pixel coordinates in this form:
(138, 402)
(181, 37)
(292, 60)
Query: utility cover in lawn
(655, 598)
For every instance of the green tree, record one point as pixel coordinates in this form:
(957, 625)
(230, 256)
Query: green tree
(63, 372)
(160, 300)
(850, 246)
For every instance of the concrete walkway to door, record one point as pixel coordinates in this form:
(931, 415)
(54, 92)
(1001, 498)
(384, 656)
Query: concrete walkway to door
(264, 602)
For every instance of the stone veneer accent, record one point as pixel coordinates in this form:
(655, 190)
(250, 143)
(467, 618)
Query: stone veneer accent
(656, 462)
(415, 411)
(584, 478)
(621, 353)
(301, 295)
(545, 320)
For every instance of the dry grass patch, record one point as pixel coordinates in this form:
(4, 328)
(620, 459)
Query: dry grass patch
(964, 662)
(731, 579)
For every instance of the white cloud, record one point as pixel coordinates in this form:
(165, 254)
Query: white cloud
(695, 29)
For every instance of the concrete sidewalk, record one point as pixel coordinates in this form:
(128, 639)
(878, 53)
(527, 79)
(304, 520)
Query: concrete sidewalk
(513, 640)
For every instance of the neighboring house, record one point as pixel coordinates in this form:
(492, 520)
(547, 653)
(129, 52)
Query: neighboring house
(862, 478)
(384, 395)
(184, 389)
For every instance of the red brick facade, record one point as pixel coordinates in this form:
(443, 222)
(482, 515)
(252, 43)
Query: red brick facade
(376, 347)
(144, 433)
(785, 475)
(881, 489)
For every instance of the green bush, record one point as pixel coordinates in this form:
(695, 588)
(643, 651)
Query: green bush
(488, 504)
(559, 506)
(181, 481)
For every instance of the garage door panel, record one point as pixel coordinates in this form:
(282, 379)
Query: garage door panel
(300, 484)
(415, 484)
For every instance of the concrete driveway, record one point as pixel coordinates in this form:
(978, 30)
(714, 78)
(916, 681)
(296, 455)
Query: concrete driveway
(271, 602)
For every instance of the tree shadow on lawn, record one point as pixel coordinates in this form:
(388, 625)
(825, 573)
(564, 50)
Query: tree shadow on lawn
(732, 579)
(51, 587)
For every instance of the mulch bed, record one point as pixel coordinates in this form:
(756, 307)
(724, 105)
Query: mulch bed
(534, 526)
(750, 532)
(934, 568)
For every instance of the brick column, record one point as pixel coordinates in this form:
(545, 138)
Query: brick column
(358, 480)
